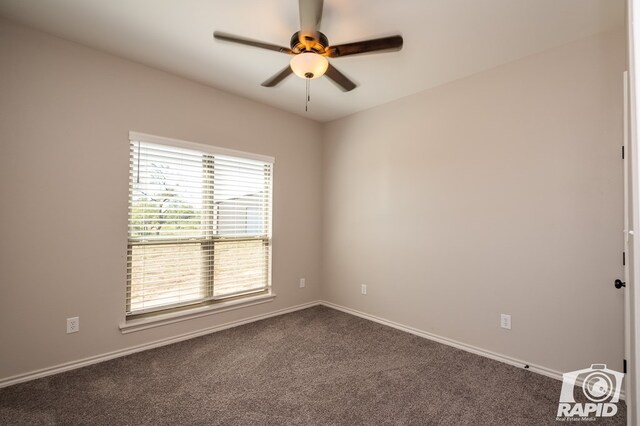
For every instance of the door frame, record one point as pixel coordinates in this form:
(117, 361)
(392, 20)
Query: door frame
(633, 350)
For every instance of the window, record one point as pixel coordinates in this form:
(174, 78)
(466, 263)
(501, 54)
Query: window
(199, 224)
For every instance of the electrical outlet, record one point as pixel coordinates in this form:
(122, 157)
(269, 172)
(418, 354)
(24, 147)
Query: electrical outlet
(505, 321)
(302, 282)
(73, 325)
(364, 289)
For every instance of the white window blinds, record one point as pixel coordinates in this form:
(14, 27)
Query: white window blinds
(199, 224)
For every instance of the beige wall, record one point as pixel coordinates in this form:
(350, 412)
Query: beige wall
(498, 193)
(65, 114)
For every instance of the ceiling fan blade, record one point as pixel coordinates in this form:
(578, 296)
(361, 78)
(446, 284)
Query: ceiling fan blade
(241, 40)
(340, 79)
(276, 79)
(310, 16)
(366, 46)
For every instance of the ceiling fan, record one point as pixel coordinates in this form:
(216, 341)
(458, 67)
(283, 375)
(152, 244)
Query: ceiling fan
(310, 49)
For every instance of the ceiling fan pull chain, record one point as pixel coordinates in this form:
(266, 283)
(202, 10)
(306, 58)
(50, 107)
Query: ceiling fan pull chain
(308, 95)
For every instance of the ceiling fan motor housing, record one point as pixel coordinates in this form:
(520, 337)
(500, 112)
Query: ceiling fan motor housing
(308, 43)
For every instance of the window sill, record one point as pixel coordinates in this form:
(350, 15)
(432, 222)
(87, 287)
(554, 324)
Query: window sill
(173, 317)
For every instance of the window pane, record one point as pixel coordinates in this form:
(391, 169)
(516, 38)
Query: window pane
(166, 193)
(166, 274)
(241, 191)
(240, 266)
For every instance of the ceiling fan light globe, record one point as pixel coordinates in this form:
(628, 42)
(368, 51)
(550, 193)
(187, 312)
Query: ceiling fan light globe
(309, 65)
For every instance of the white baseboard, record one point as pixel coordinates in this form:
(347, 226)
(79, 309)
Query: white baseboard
(548, 372)
(186, 336)
(449, 342)
(25, 377)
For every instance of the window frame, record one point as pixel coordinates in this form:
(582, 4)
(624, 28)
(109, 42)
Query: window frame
(169, 313)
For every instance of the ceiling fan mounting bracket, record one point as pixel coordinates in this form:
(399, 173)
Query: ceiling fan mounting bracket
(308, 43)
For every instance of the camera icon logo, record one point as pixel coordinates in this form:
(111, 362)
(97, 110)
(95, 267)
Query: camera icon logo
(599, 385)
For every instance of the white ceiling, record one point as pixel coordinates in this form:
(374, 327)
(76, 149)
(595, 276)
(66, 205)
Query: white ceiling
(443, 40)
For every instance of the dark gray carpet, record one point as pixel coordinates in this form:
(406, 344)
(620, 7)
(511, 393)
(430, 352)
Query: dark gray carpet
(316, 366)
